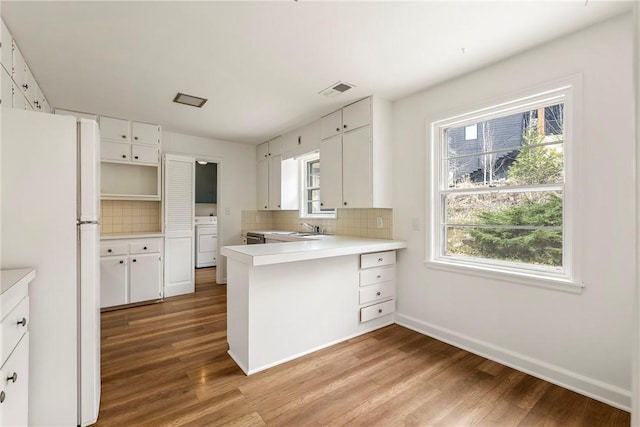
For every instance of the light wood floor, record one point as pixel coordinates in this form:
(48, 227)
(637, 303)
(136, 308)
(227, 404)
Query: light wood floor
(166, 364)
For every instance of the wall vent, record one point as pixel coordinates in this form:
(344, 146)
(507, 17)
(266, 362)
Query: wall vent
(336, 89)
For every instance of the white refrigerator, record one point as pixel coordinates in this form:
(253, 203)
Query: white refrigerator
(50, 207)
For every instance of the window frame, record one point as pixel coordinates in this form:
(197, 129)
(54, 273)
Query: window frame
(567, 278)
(303, 162)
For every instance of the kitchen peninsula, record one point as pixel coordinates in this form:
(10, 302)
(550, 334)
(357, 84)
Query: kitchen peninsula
(285, 300)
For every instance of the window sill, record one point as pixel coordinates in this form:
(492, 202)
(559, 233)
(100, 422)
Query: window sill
(552, 283)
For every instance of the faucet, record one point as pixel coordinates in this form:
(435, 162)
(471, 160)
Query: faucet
(314, 228)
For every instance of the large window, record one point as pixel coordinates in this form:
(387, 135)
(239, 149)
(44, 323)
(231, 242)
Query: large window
(501, 194)
(310, 201)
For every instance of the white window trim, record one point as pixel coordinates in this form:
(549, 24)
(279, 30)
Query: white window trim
(569, 279)
(302, 161)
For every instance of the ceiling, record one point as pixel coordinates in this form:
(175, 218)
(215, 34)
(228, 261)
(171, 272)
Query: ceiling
(262, 64)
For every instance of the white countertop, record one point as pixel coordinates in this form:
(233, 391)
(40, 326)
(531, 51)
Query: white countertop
(314, 247)
(131, 235)
(9, 278)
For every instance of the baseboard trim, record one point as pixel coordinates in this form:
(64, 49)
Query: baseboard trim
(595, 389)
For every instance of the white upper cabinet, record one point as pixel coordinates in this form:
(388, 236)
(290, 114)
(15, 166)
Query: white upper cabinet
(130, 159)
(7, 50)
(115, 129)
(302, 140)
(331, 125)
(145, 133)
(19, 68)
(356, 115)
(26, 94)
(356, 157)
(269, 183)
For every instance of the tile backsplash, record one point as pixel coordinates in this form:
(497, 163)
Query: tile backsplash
(129, 216)
(349, 222)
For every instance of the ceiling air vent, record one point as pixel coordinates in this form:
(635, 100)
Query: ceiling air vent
(336, 89)
(194, 101)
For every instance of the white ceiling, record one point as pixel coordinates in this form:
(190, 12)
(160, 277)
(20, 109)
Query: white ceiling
(262, 64)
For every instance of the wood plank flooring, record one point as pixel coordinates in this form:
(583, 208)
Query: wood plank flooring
(166, 365)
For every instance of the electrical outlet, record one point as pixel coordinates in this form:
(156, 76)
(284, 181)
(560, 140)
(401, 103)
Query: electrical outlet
(258, 218)
(379, 222)
(227, 211)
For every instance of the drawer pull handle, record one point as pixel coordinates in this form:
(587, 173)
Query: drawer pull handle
(379, 310)
(22, 322)
(2, 396)
(124, 136)
(378, 276)
(378, 293)
(134, 260)
(380, 259)
(121, 262)
(145, 248)
(109, 250)
(13, 377)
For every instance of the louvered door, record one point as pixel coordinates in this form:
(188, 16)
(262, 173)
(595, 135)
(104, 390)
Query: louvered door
(179, 182)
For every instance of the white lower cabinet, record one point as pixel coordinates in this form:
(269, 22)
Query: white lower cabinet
(377, 285)
(14, 347)
(130, 271)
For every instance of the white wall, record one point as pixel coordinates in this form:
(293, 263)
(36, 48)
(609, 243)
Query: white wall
(580, 341)
(236, 175)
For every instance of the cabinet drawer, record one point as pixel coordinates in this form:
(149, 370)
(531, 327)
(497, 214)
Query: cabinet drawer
(372, 276)
(13, 327)
(149, 246)
(377, 310)
(377, 259)
(377, 292)
(14, 410)
(116, 249)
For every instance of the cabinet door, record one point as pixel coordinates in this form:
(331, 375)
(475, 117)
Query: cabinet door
(275, 182)
(115, 151)
(356, 168)
(206, 183)
(19, 101)
(178, 202)
(145, 154)
(14, 410)
(291, 142)
(275, 146)
(7, 49)
(331, 172)
(310, 137)
(18, 68)
(144, 277)
(263, 184)
(113, 281)
(30, 87)
(115, 129)
(144, 133)
(7, 89)
(356, 115)
(331, 125)
(262, 151)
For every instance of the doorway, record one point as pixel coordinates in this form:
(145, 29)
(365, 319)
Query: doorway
(207, 200)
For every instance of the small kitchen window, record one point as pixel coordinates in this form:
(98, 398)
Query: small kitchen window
(310, 206)
(504, 200)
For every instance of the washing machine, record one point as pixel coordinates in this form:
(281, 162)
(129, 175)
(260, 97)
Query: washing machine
(206, 241)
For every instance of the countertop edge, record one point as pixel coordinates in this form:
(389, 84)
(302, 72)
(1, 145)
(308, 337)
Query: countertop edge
(13, 277)
(332, 249)
(130, 236)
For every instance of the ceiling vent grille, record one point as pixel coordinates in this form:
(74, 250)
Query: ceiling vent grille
(336, 89)
(193, 101)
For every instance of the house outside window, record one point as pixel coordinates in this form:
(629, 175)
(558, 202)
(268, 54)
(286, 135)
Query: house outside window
(500, 200)
(310, 206)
